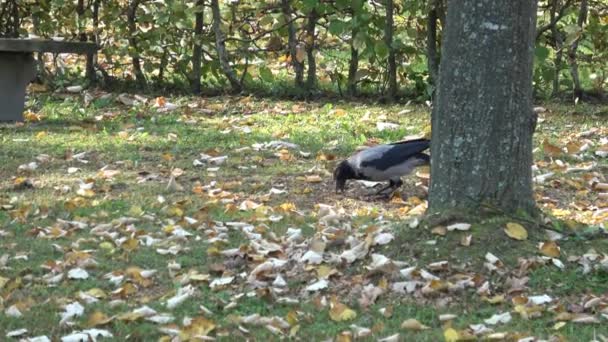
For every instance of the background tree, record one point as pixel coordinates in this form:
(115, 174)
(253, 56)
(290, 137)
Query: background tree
(482, 119)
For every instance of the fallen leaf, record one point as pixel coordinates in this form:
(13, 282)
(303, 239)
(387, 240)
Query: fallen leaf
(451, 335)
(339, 312)
(413, 324)
(551, 150)
(516, 231)
(459, 226)
(550, 249)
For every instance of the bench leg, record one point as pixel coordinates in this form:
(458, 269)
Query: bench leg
(16, 72)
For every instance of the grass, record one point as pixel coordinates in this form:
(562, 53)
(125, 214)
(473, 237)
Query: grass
(140, 142)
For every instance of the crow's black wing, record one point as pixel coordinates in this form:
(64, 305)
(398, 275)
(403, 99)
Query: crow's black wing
(394, 154)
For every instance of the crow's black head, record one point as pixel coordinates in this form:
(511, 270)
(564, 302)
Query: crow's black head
(342, 173)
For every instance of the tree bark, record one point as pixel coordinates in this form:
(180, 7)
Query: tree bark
(82, 36)
(140, 78)
(311, 72)
(220, 46)
(482, 119)
(16, 19)
(353, 66)
(431, 43)
(94, 38)
(298, 66)
(582, 18)
(559, 42)
(197, 49)
(388, 37)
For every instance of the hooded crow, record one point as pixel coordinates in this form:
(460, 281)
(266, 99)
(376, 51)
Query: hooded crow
(383, 163)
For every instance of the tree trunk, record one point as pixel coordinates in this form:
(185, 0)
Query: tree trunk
(392, 64)
(82, 36)
(483, 120)
(131, 22)
(298, 66)
(197, 49)
(16, 19)
(431, 44)
(559, 42)
(311, 73)
(95, 39)
(41, 70)
(353, 67)
(582, 18)
(220, 46)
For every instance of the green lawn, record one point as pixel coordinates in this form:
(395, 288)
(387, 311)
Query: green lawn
(119, 213)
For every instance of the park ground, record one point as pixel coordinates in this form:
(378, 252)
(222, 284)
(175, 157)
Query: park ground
(150, 218)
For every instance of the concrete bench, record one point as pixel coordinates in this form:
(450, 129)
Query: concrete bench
(17, 69)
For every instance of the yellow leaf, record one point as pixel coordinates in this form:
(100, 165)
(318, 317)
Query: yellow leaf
(292, 318)
(339, 112)
(130, 245)
(96, 292)
(200, 326)
(559, 325)
(496, 299)
(98, 318)
(516, 231)
(41, 135)
(288, 206)
(135, 211)
(340, 312)
(413, 324)
(451, 335)
(3, 282)
(550, 249)
(324, 272)
(31, 116)
(345, 336)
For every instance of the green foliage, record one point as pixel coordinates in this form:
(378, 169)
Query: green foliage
(164, 39)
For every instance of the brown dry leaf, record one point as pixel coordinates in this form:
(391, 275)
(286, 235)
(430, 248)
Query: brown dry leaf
(314, 179)
(550, 249)
(160, 101)
(600, 186)
(573, 147)
(413, 324)
(108, 173)
(551, 150)
(439, 230)
(516, 231)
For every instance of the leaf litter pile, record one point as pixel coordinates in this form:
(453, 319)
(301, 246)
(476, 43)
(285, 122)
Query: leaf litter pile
(123, 217)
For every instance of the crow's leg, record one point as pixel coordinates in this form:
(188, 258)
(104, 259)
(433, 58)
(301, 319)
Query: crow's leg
(390, 185)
